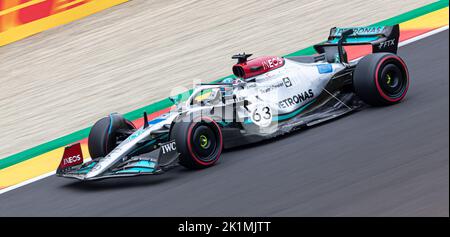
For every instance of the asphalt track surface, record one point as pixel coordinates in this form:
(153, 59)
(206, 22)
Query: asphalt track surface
(390, 161)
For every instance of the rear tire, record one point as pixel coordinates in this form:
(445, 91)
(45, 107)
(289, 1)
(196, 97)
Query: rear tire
(199, 142)
(381, 79)
(103, 136)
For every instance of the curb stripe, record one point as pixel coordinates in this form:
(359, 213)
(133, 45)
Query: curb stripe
(77, 12)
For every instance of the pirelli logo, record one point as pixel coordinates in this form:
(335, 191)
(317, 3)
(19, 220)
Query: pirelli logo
(22, 18)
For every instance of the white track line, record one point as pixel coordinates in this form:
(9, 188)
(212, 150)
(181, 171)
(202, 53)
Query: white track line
(27, 182)
(422, 36)
(401, 44)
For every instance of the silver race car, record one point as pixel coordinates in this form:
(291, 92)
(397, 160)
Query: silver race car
(266, 97)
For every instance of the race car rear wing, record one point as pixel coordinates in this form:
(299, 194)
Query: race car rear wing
(381, 38)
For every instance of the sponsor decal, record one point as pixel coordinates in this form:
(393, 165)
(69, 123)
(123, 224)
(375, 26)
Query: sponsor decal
(325, 68)
(387, 43)
(168, 147)
(71, 160)
(287, 82)
(271, 87)
(272, 63)
(361, 30)
(72, 156)
(250, 85)
(296, 99)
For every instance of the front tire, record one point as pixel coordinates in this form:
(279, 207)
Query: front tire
(199, 142)
(104, 135)
(381, 79)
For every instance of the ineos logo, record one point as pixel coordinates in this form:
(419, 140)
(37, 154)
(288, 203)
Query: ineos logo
(273, 62)
(168, 147)
(72, 159)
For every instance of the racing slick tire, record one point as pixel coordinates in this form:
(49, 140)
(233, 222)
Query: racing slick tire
(381, 79)
(104, 135)
(199, 142)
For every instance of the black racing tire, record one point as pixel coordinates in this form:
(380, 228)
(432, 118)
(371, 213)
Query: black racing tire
(103, 136)
(199, 142)
(381, 79)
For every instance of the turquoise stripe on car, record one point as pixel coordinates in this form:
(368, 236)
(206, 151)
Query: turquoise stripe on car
(147, 163)
(136, 170)
(86, 169)
(294, 113)
(355, 40)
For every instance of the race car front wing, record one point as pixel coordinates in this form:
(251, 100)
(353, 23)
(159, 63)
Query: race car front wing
(154, 162)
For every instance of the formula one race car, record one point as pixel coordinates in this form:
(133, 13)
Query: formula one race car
(266, 97)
